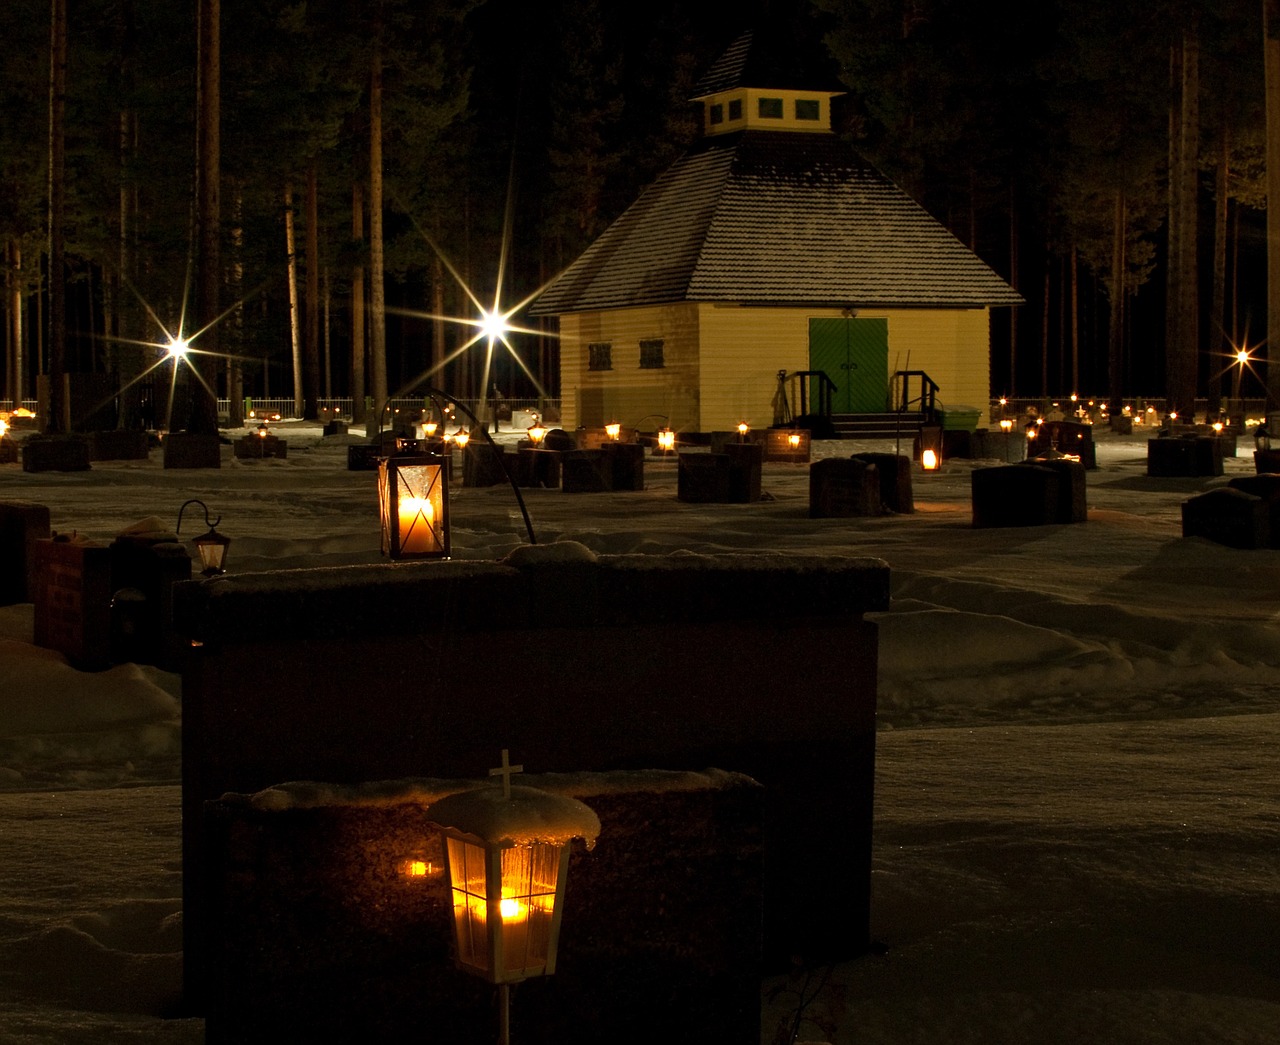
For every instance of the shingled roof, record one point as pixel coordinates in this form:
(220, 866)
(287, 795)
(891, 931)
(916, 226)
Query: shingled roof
(775, 218)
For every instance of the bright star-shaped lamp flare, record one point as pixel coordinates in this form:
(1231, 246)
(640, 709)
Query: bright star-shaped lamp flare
(178, 346)
(493, 326)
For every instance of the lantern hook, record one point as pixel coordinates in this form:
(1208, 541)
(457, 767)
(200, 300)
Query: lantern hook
(194, 500)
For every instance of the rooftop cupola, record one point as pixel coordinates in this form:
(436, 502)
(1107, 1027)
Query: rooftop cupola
(741, 92)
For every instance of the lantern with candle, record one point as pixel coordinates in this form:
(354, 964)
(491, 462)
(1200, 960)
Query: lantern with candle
(413, 501)
(613, 431)
(211, 546)
(507, 853)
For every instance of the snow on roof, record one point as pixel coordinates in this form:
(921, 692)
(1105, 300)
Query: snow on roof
(775, 218)
(523, 816)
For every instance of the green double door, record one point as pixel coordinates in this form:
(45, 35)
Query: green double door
(854, 353)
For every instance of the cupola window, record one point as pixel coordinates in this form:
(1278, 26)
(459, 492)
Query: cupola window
(770, 108)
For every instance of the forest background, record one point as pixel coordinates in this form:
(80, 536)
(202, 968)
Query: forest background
(1108, 160)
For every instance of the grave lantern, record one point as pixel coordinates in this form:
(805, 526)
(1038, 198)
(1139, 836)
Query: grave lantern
(613, 430)
(507, 853)
(666, 440)
(429, 429)
(930, 448)
(793, 440)
(461, 438)
(413, 503)
(743, 429)
(537, 432)
(1261, 438)
(212, 546)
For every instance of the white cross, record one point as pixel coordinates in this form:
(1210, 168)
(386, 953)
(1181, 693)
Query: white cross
(505, 771)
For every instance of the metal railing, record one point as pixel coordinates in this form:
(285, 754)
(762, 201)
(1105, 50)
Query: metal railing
(341, 407)
(799, 384)
(901, 393)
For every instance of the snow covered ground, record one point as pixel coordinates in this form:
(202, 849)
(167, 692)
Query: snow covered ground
(1078, 780)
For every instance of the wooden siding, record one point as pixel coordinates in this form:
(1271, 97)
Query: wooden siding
(744, 348)
(627, 393)
(733, 375)
(952, 346)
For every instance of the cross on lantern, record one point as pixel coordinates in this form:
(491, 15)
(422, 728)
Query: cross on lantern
(505, 771)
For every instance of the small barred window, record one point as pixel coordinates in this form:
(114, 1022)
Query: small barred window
(651, 354)
(600, 355)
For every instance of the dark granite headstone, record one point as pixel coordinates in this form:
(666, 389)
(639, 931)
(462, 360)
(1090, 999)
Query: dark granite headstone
(843, 487)
(703, 478)
(1228, 516)
(1014, 495)
(745, 461)
(1066, 437)
(1267, 487)
(625, 464)
(778, 445)
(585, 471)
(482, 464)
(338, 943)
(263, 705)
(119, 444)
(192, 450)
(539, 469)
(142, 625)
(73, 600)
(894, 472)
(1184, 456)
(258, 447)
(363, 457)
(22, 523)
(1073, 505)
(55, 453)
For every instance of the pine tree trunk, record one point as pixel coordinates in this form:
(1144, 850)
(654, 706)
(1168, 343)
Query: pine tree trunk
(326, 298)
(1271, 58)
(311, 361)
(295, 319)
(1183, 302)
(438, 324)
(58, 419)
(377, 288)
(1044, 324)
(16, 384)
(1217, 342)
(1012, 385)
(1115, 329)
(235, 369)
(127, 361)
(1189, 222)
(204, 404)
(1075, 321)
(357, 309)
